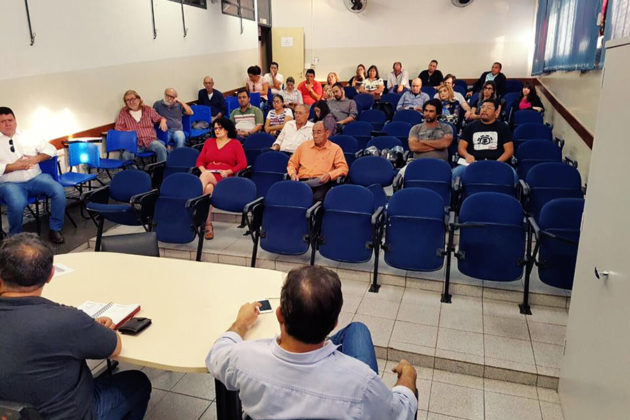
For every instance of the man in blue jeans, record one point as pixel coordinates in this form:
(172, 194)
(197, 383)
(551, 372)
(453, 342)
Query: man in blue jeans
(301, 374)
(20, 176)
(45, 344)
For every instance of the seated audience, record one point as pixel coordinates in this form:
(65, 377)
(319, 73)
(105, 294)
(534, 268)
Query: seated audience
(494, 75)
(529, 99)
(431, 138)
(331, 80)
(449, 81)
(310, 88)
(343, 109)
(488, 92)
(274, 79)
(485, 139)
(173, 109)
(398, 79)
(319, 162)
(209, 96)
(431, 76)
(256, 83)
(414, 98)
(20, 175)
(322, 113)
(291, 95)
(247, 119)
(295, 132)
(302, 374)
(138, 117)
(222, 156)
(278, 116)
(372, 84)
(451, 109)
(358, 78)
(45, 345)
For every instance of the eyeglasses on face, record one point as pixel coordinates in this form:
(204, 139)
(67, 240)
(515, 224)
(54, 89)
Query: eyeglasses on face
(131, 99)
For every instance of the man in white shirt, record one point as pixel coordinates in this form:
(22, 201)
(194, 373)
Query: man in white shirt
(398, 79)
(295, 132)
(274, 79)
(21, 177)
(301, 374)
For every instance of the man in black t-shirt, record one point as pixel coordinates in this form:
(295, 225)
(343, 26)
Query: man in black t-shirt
(45, 344)
(485, 139)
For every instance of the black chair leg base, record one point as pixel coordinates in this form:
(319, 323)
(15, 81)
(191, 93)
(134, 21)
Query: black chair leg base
(446, 298)
(525, 309)
(374, 288)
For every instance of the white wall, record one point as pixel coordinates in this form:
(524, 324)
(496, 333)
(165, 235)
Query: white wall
(88, 52)
(465, 41)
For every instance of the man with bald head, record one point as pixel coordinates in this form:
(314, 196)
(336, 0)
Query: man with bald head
(414, 98)
(173, 109)
(318, 162)
(295, 132)
(209, 96)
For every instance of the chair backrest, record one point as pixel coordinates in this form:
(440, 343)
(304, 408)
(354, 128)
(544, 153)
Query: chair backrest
(182, 156)
(460, 88)
(533, 152)
(125, 184)
(474, 98)
(493, 245)
(488, 175)
(415, 230)
(551, 180)
(346, 225)
(49, 166)
(268, 169)
(256, 144)
(83, 153)
(556, 259)
(254, 99)
(385, 142)
(232, 103)
(532, 131)
(360, 130)
(408, 115)
(284, 223)
(391, 98)
(399, 129)
(350, 92)
(121, 140)
(143, 243)
(512, 85)
(201, 113)
(368, 170)
(433, 174)
(231, 194)
(348, 144)
(527, 116)
(364, 101)
(429, 90)
(172, 222)
(375, 117)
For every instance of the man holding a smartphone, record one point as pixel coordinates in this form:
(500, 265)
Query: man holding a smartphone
(301, 373)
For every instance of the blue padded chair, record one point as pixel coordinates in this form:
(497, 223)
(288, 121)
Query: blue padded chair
(133, 202)
(526, 116)
(509, 99)
(492, 238)
(256, 144)
(399, 129)
(484, 176)
(461, 83)
(408, 115)
(429, 90)
(269, 168)
(474, 98)
(368, 170)
(163, 135)
(385, 142)
(200, 113)
(433, 174)
(51, 167)
(391, 98)
(360, 130)
(513, 86)
(182, 159)
(350, 92)
(460, 88)
(530, 131)
(231, 103)
(118, 141)
(181, 210)
(281, 222)
(233, 193)
(348, 144)
(557, 235)
(254, 99)
(350, 225)
(414, 230)
(547, 181)
(364, 101)
(533, 152)
(375, 117)
(80, 153)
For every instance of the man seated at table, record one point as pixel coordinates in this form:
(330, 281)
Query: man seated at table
(45, 344)
(301, 374)
(318, 162)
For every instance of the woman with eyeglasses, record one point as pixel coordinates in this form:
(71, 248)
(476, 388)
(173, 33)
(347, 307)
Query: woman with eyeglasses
(222, 156)
(138, 117)
(278, 116)
(487, 92)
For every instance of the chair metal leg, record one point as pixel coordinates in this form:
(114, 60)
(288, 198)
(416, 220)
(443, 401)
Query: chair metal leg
(99, 233)
(374, 287)
(450, 248)
(228, 403)
(201, 234)
(254, 249)
(524, 306)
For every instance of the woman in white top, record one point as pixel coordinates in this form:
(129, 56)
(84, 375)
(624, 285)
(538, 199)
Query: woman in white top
(278, 116)
(291, 95)
(373, 84)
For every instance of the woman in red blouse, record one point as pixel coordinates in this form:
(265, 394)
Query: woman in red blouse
(221, 156)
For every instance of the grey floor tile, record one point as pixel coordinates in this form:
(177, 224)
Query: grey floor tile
(200, 385)
(468, 381)
(506, 327)
(465, 313)
(502, 406)
(501, 309)
(424, 393)
(510, 388)
(548, 355)
(436, 416)
(156, 396)
(390, 293)
(163, 379)
(460, 341)
(419, 313)
(351, 303)
(547, 333)
(418, 334)
(548, 315)
(375, 305)
(210, 413)
(380, 328)
(353, 288)
(457, 401)
(177, 406)
(551, 411)
(508, 349)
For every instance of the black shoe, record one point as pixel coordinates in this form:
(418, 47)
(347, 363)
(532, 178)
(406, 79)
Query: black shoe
(55, 237)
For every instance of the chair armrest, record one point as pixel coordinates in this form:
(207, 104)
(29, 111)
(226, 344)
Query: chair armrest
(156, 172)
(99, 195)
(378, 133)
(195, 171)
(144, 205)
(340, 180)
(198, 209)
(252, 214)
(398, 182)
(378, 216)
(523, 190)
(535, 228)
(314, 216)
(245, 173)
(559, 141)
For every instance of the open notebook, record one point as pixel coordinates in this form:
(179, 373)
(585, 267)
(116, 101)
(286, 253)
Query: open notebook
(119, 314)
